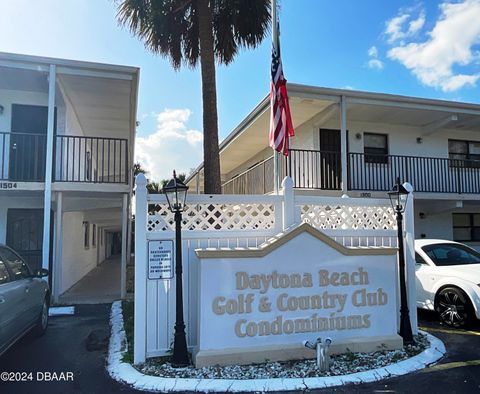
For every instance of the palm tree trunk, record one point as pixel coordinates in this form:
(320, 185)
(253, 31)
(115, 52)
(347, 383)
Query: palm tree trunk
(211, 158)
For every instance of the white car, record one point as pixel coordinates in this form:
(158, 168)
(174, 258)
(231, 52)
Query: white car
(448, 280)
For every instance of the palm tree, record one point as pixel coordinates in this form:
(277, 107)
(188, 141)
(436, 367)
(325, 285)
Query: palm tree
(152, 186)
(187, 31)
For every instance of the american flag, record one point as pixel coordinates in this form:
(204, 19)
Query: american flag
(281, 127)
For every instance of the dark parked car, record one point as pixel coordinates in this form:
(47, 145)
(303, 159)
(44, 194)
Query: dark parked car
(24, 299)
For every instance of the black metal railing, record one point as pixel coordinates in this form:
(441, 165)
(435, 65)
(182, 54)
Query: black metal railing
(22, 157)
(91, 159)
(426, 174)
(258, 179)
(76, 158)
(311, 169)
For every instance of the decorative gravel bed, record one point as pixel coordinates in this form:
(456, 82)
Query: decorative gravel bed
(342, 364)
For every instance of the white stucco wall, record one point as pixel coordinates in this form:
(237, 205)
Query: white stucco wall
(76, 260)
(437, 222)
(67, 124)
(10, 97)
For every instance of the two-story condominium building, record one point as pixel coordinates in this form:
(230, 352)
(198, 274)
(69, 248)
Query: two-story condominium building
(356, 143)
(67, 133)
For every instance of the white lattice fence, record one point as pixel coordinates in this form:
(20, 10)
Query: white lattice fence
(352, 222)
(237, 221)
(343, 217)
(218, 214)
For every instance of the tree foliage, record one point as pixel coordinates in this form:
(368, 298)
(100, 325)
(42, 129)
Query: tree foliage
(192, 31)
(171, 27)
(152, 186)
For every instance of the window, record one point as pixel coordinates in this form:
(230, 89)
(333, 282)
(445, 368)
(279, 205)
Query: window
(419, 259)
(86, 235)
(94, 235)
(4, 276)
(466, 227)
(451, 254)
(17, 266)
(464, 153)
(375, 148)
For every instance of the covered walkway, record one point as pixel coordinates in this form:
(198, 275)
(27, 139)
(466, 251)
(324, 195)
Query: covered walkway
(100, 285)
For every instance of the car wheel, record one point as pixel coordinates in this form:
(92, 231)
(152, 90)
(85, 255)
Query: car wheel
(453, 307)
(42, 321)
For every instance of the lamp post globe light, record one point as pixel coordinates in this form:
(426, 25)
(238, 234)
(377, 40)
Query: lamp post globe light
(176, 193)
(398, 198)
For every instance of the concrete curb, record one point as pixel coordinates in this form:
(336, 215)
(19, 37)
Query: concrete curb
(126, 373)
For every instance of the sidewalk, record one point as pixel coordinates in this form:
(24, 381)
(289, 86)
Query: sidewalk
(100, 285)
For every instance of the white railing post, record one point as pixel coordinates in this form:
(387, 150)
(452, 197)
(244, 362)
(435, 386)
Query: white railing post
(344, 144)
(140, 317)
(409, 236)
(288, 203)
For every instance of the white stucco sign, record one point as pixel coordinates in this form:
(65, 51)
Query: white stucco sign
(160, 259)
(265, 302)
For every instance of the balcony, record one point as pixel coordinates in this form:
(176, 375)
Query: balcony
(75, 158)
(426, 174)
(258, 179)
(321, 170)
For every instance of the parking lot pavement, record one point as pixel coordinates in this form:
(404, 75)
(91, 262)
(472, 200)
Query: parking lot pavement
(70, 346)
(64, 349)
(458, 372)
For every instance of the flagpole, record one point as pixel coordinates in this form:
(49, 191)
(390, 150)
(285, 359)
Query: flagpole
(276, 155)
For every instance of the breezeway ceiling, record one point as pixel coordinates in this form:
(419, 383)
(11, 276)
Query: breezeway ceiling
(103, 105)
(26, 80)
(410, 116)
(253, 136)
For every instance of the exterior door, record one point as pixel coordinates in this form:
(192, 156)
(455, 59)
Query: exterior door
(25, 234)
(330, 159)
(28, 143)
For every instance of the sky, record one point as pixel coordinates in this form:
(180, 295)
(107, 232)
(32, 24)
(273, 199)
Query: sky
(416, 48)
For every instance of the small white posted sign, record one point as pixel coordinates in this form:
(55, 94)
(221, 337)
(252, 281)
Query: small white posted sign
(160, 259)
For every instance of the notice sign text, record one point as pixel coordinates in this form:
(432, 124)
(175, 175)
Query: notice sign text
(160, 260)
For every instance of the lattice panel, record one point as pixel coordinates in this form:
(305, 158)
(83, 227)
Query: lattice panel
(349, 217)
(214, 217)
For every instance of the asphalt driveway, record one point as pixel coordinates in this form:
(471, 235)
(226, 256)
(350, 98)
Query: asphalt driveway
(66, 347)
(458, 372)
(70, 346)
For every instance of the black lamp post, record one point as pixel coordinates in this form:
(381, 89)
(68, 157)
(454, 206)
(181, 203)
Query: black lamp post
(176, 192)
(398, 198)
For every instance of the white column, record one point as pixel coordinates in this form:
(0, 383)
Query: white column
(409, 236)
(140, 315)
(343, 142)
(57, 261)
(129, 232)
(123, 275)
(48, 167)
(288, 202)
